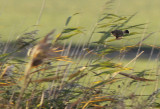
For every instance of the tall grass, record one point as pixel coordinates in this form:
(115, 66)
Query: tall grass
(58, 75)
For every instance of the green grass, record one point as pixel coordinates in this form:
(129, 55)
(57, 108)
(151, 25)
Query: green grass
(85, 79)
(17, 16)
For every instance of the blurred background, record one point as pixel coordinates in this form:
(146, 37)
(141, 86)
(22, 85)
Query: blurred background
(16, 16)
(20, 16)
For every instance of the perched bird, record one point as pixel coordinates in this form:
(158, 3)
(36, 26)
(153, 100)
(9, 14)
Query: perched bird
(119, 33)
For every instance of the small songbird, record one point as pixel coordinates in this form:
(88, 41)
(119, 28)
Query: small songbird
(119, 33)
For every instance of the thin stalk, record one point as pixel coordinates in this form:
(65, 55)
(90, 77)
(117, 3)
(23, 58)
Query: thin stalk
(25, 84)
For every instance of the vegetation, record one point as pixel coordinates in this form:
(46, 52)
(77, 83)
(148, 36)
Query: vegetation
(59, 75)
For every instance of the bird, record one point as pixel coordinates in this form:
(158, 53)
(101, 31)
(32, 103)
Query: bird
(119, 33)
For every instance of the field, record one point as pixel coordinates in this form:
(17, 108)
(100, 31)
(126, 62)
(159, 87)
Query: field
(79, 64)
(17, 17)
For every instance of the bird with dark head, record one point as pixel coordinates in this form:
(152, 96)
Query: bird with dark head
(119, 33)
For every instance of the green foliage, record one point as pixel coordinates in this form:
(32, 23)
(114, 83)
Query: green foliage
(69, 19)
(114, 22)
(61, 80)
(70, 32)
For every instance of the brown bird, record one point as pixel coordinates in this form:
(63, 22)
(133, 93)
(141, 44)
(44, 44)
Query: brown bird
(119, 33)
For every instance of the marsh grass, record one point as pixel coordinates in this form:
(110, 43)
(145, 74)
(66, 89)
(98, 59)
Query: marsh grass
(57, 75)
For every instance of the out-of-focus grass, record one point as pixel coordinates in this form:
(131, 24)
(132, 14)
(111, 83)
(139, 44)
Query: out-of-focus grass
(141, 64)
(88, 76)
(125, 85)
(17, 16)
(138, 65)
